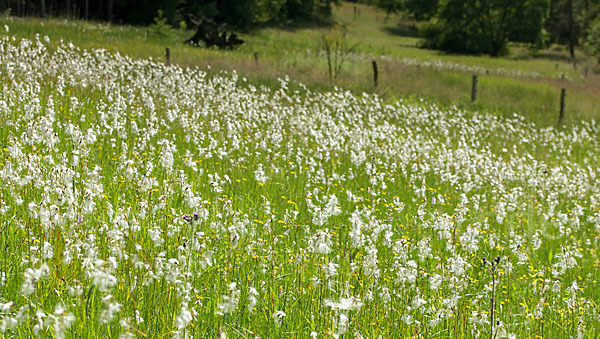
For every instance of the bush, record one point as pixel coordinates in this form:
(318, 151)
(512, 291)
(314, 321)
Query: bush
(160, 28)
(484, 26)
(467, 41)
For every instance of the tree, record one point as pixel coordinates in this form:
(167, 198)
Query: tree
(527, 24)
(390, 7)
(237, 14)
(422, 9)
(569, 20)
(299, 9)
(269, 11)
(593, 39)
(246, 14)
(484, 26)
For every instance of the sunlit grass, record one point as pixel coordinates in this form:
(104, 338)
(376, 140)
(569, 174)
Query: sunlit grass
(140, 200)
(408, 71)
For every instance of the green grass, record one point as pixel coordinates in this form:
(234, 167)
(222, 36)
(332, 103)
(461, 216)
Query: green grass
(307, 200)
(295, 52)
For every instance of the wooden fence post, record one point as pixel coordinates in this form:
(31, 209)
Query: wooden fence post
(474, 89)
(563, 94)
(168, 54)
(375, 73)
(256, 58)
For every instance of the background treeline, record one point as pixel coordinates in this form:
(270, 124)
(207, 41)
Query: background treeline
(486, 26)
(458, 26)
(239, 14)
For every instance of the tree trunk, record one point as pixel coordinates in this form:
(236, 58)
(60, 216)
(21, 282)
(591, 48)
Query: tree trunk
(68, 9)
(87, 8)
(43, 8)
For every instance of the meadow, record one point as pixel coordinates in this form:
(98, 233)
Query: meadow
(526, 81)
(140, 199)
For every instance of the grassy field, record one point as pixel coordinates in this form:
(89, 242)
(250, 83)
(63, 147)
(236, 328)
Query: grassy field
(523, 82)
(144, 200)
(151, 201)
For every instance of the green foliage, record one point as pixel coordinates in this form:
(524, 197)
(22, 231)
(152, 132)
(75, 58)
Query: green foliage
(299, 9)
(593, 39)
(527, 24)
(270, 11)
(160, 28)
(419, 9)
(557, 24)
(422, 9)
(247, 14)
(390, 6)
(238, 14)
(484, 26)
(183, 25)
